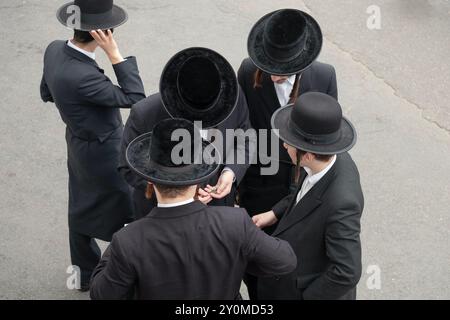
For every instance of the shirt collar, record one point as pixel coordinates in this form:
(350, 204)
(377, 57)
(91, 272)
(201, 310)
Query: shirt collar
(87, 53)
(175, 204)
(313, 179)
(291, 80)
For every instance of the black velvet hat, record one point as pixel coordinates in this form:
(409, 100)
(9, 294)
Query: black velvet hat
(94, 14)
(315, 124)
(150, 155)
(285, 42)
(199, 84)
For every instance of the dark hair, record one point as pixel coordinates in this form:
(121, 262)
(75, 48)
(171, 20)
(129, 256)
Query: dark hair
(320, 157)
(84, 36)
(171, 191)
(258, 76)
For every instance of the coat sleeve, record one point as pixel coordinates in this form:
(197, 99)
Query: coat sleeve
(267, 256)
(113, 278)
(245, 142)
(242, 72)
(332, 86)
(280, 208)
(343, 248)
(133, 128)
(97, 89)
(46, 96)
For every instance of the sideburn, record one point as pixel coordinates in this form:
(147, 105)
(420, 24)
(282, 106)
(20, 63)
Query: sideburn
(149, 191)
(298, 168)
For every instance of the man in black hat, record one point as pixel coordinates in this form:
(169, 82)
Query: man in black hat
(321, 220)
(88, 102)
(283, 47)
(197, 84)
(184, 249)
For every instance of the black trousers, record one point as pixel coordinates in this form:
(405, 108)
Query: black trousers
(85, 253)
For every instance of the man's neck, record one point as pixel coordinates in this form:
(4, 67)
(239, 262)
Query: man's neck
(90, 47)
(188, 195)
(163, 200)
(318, 166)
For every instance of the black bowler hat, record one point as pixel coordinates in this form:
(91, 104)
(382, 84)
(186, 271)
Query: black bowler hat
(315, 124)
(285, 42)
(94, 14)
(150, 155)
(199, 84)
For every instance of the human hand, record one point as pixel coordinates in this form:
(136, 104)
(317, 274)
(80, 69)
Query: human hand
(105, 40)
(204, 196)
(265, 219)
(223, 187)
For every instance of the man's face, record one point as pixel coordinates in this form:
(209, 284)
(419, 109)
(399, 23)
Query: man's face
(279, 79)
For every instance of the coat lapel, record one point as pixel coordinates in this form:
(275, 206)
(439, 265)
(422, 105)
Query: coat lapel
(312, 200)
(269, 94)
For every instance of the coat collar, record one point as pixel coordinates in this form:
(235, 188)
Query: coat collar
(176, 212)
(297, 212)
(269, 94)
(268, 89)
(80, 56)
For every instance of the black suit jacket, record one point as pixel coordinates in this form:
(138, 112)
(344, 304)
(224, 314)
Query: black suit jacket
(88, 102)
(188, 252)
(323, 228)
(259, 193)
(150, 111)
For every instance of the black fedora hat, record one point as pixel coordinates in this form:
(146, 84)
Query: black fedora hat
(94, 14)
(285, 42)
(150, 156)
(199, 84)
(315, 124)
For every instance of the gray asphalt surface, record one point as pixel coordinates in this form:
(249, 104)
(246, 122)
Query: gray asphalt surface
(393, 85)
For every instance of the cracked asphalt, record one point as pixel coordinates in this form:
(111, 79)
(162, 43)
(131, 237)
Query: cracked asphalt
(393, 85)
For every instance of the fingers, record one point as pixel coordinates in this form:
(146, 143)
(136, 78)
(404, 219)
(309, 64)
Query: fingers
(221, 187)
(95, 35)
(217, 193)
(255, 219)
(204, 196)
(202, 192)
(101, 35)
(205, 200)
(210, 189)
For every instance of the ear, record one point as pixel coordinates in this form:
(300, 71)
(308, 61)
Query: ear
(309, 156)
(149, 191)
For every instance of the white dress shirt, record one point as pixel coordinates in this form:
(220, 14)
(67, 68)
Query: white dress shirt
(284, 90)
(312, 179)
(88, 53)
(175, 204)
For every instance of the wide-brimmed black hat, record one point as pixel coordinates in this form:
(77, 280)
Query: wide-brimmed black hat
(199, 84)
(315, 124)
(285, 42)
(151, 155)
(94, 14)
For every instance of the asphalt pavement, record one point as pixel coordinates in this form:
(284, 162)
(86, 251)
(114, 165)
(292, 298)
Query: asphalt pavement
(393, 85)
